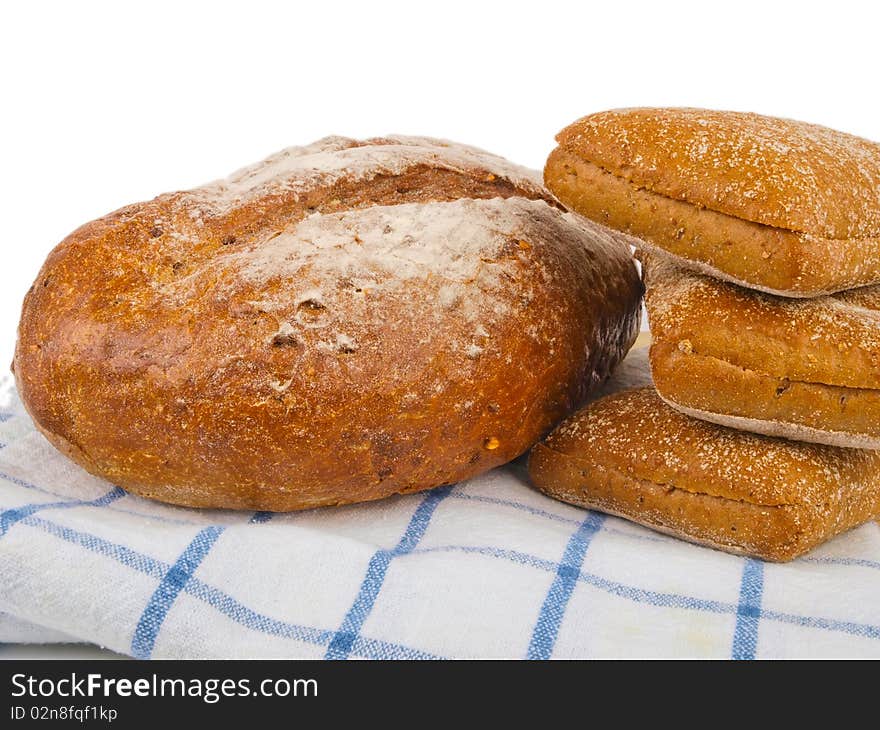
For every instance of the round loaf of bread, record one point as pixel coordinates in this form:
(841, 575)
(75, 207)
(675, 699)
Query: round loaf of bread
(339, 323)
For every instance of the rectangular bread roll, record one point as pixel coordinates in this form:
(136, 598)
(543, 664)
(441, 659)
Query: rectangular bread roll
(805, 369)
(772, 204)
(629, 454)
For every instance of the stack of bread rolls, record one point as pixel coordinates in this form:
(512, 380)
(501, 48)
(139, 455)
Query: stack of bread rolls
(760, 244)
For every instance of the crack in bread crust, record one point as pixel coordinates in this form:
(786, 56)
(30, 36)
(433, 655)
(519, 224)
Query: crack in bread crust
(747, 400)
(775, 260)
(833, 340)
(778, 172)
(777, 379)
(667, 487)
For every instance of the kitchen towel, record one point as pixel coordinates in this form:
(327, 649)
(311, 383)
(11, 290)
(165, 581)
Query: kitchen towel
(485, 568)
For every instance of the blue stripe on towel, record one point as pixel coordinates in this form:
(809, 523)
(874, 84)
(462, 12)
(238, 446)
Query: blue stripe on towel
(169, 588)
(341, 645)
(555, 603)
(9, 517)
(748, 612)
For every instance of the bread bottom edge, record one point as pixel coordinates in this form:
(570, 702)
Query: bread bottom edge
(778, 429)
(701, 267)
(664, 529)
(777, 533)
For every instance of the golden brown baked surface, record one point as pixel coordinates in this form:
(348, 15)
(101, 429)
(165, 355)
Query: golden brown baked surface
(778, 205)
(802, 368)
(338, 323)
(632, 455)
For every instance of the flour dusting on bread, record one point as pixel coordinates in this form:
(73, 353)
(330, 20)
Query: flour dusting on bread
(389, 245)
(322, 163)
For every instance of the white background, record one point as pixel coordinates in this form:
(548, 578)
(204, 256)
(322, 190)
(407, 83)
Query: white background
(104, 104)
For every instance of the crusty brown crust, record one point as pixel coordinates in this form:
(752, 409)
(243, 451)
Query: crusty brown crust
(632, 455)
(340, 323)
(805, 369)
(778, 172)
(713, 189)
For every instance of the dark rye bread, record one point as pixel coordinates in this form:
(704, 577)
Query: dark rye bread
(632, 455)
(772, 204)
(338, 323)
(805, 369)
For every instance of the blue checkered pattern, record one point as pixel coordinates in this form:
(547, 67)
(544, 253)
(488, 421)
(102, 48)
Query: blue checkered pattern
(486, 568)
